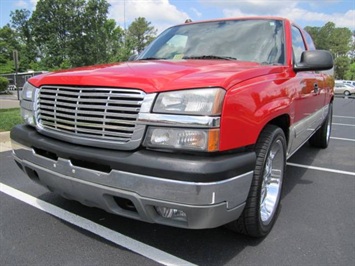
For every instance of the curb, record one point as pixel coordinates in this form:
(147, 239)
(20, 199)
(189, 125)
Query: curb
(5, 136)
(5, 141)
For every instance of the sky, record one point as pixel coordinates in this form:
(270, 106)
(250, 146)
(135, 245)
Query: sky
(165, 13)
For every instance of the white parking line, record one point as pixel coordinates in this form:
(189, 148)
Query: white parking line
(108, 234)
(343, 139)
(339, 124)
(322, 169)
(341, 116)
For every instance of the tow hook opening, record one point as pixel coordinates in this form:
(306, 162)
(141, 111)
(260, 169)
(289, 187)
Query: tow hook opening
(32, 174)
(125, 204)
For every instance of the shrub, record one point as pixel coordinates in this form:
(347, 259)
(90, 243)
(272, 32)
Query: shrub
(4, 83)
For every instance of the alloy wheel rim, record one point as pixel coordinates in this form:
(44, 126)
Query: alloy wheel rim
(272, 181)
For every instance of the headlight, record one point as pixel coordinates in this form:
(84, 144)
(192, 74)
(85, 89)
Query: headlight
(28, 92)
(27, 103)
(194, 102)
(28, 117)
(182, 139)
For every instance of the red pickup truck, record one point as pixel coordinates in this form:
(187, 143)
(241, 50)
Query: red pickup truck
(193, 133)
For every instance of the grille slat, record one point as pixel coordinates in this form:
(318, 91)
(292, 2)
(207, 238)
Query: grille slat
(47, 99)
(91, 106)
(91, 131)
(45, 109)
(89, 113)
(112, 124)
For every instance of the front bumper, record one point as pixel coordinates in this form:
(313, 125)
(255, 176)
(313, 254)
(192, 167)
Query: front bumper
(211, 190)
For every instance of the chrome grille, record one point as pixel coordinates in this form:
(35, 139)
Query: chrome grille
(89, 113)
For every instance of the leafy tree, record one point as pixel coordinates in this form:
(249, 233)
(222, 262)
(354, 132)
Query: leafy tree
(328, 37)
(352, 50)
(70, 33)
(139, 34)
(337, 40)
(55, 22)
(350, 73)
(21, 23)
(342, 64)
(8, 43)
(4, 82)
(115, 40)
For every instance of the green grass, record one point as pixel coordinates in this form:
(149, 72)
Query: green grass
(9, 118)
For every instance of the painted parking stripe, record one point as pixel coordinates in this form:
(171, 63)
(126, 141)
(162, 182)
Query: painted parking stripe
(339, 124)
(108, 234)
(342, 139)
(341, 116)
(322, 169)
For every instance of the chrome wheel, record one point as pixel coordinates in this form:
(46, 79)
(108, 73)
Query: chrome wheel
(272, 182)
(261, 207)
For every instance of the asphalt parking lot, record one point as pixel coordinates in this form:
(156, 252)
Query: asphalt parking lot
(316, 224)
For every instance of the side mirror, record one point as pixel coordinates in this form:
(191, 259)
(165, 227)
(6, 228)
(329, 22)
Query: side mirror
(315, 60)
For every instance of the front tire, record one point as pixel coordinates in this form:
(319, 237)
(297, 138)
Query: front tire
(260, 212)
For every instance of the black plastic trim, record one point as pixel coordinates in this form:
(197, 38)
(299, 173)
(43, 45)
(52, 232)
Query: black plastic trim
(182, 167)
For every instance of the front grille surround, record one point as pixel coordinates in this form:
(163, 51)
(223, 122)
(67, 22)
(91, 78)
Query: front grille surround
(101, 117)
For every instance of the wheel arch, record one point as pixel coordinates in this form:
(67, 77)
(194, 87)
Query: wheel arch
(283, 122)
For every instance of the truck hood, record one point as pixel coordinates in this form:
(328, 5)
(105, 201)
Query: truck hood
(157, 76)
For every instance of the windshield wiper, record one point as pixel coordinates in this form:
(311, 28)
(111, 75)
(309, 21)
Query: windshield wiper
(209, 57)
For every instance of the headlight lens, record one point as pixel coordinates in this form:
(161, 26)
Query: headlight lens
(195, 102)
(183, 139)
(28, 92)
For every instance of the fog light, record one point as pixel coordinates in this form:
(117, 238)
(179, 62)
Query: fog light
(174, 214)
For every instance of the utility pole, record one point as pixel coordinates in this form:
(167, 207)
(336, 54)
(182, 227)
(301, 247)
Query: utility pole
(15, 55)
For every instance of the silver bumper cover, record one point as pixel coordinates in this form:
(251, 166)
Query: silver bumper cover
(206, 205)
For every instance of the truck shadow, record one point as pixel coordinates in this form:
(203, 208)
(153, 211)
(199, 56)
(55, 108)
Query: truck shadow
(294, 176)
(203, 247)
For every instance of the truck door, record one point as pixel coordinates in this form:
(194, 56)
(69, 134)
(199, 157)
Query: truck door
(310, 95)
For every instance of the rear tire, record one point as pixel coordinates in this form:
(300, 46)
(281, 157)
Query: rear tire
(321, 138)
(346, 93)
(260, 212)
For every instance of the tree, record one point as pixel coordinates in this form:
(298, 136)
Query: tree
(71, 33)
(55, 23)
(115, 40)
(4, 83)
(139, 34)
(337, 40)
(8, 43)
(342, 64)
(20, 22)
(350, 73)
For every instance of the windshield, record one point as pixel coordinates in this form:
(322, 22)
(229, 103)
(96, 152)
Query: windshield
(260, 41)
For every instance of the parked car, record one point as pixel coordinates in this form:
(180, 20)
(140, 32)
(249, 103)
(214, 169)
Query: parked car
(350, 82)
(344, 88)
